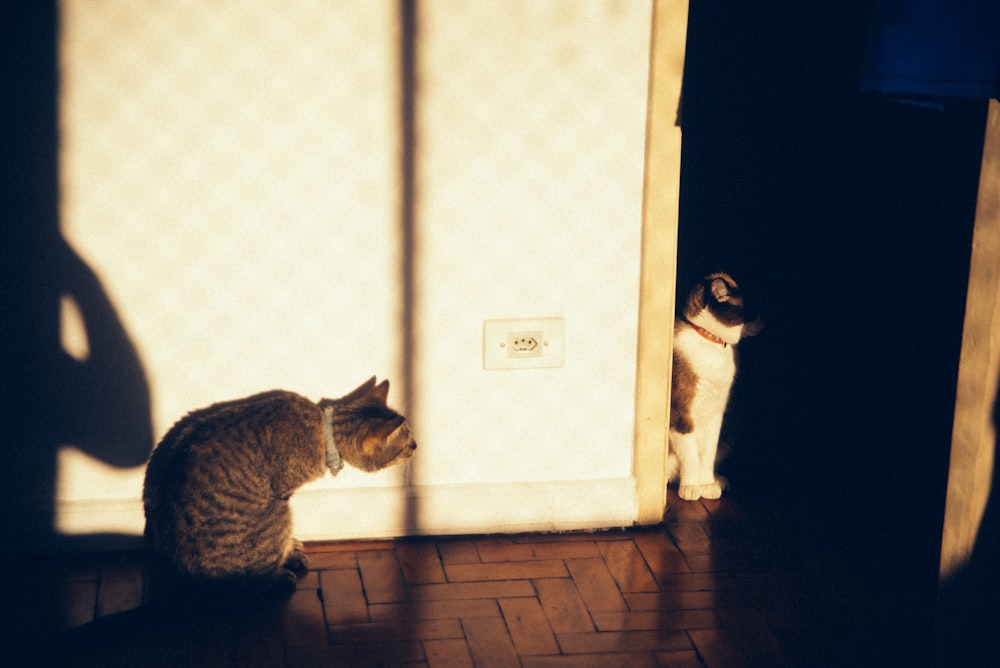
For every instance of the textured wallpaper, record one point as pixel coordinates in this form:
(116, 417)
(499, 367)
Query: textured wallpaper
(532, 127)
(231, 173)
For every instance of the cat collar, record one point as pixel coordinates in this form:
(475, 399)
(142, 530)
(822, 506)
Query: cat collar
(707, 334)
(332, 454)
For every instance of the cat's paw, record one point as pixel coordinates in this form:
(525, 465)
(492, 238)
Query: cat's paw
(297, 561)
(714, 490)
(711, 491)
(284, 582)
(689, 492)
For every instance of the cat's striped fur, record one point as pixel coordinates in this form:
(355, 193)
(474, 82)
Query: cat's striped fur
(711, 323)
(217, 487)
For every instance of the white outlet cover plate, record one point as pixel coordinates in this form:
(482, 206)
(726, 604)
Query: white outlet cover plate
(498, 333)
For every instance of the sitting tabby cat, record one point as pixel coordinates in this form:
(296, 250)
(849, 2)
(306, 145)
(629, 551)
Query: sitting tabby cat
(217, 486)
(704, 366)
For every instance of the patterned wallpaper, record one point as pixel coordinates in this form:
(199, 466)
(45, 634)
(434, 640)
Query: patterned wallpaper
(532, 128)
(230, 171)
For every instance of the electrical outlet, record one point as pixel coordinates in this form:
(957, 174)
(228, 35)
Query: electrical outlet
(523, 343)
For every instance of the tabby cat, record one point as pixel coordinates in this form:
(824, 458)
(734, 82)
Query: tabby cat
(704, 365)
(217, 487)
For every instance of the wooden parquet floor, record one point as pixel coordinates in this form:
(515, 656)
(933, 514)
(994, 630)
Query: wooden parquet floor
(716, 585)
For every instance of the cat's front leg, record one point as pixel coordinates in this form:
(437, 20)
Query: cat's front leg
(710, 485)
(685, 449)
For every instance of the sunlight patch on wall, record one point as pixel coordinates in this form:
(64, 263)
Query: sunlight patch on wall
(87, 478)
(532, 131)
(229, 173)
(110, 496)
(73, 330)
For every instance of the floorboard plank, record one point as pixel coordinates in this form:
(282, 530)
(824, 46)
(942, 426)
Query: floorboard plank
(460, 590)
(490, 643)
(516, 570)
(610, 642)
(381, 576)
(662, 556)
(448, 609)
(627, 566)
(343, 597)
(420, 562)
(506, 549)
(596, 586)
(458, 551)
(450, 653)
(529, 628)
(302, 621)
(564, 607)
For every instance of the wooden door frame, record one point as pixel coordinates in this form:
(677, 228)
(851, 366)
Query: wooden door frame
(973, 445)
(658, 271)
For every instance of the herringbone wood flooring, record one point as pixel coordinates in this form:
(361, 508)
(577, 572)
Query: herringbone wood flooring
(718, 584)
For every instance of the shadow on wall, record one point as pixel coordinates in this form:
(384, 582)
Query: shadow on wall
(95, 398)
(407, 228)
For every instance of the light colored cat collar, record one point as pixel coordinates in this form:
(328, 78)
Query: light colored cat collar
(332, 454)
(707, 334)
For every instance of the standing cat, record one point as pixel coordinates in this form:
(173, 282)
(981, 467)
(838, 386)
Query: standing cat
(217, 486)
(704, 366)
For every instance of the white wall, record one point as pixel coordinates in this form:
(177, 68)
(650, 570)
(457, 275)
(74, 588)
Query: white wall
(231, 175)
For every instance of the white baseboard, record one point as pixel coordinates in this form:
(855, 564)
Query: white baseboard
(466, 509)
(389, 512)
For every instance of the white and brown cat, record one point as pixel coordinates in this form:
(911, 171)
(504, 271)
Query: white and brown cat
(711, 323)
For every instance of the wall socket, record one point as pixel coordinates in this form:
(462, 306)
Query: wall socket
(523, 343)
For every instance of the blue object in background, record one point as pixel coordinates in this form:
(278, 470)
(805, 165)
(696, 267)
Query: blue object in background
(924, 50)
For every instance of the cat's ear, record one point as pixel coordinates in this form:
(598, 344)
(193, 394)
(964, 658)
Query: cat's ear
(720, 290)
(380, 392)
(725, 291)
(360, 391)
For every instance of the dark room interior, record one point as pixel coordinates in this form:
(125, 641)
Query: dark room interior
(849, 218)
(846, 216)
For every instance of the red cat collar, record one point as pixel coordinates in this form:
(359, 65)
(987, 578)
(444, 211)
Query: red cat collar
(706, 334)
